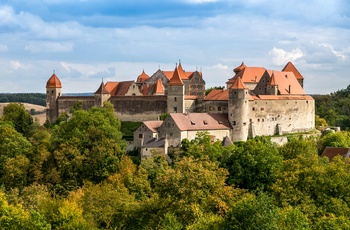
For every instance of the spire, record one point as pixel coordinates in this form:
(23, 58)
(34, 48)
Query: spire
(239, 68)
(159, 89)
(102, 89)
(142, 77)
(53, 82)
(238, 84)
(176, 79)
(272, 80)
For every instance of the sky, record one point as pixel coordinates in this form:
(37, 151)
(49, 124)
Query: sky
(85, 41)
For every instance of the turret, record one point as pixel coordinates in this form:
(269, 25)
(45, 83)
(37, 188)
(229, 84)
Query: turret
(238, 110)
(272, 87)
(101, 95)
(176, 93)
(53, 92)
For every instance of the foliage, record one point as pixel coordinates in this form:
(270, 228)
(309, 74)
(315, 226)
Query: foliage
(334, 139)
(253, 164)
(163, 116)
(21, 119)
(32, 98)
(334, 108)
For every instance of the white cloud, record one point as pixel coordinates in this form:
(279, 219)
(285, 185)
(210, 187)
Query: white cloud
(49, 47)
(15, 64)
(281, 57)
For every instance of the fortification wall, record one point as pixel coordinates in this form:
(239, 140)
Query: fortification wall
(270, 117)
(65, 102)
(139, 108)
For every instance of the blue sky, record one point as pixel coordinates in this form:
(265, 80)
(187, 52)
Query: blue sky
(87, 40)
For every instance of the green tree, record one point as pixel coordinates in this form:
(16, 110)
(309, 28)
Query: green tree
(17, 114)
(252, 165)
(193, 188)
(334, 139)
(88, 146)
(298, 145)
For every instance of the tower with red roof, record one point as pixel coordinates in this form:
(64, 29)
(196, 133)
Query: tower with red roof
(53, 92)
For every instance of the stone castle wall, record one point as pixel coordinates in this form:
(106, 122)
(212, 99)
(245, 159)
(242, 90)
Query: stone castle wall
(139, 108)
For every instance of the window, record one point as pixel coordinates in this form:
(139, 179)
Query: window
(263, 120)
(199, 87)
(52, 91)
(258, 120)
(253, 109)
(219, 108)
(262, 109)
(234, 123)
(175, 109)
(171, 134)
(140, 135)
(174, 98)
(244, 123)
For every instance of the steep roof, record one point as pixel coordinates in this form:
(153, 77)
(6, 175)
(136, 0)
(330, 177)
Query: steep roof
(102, 89)
(53, 82)
(249, 75)
(331, 152)
(291, 68)
(239, 68)
(217, 95)
(142, 77)
(238, 84)
(153, 125)
(112, 86)
(287, 81)
(200, 121)
(176, 79)
(272, 80)
(159, 89)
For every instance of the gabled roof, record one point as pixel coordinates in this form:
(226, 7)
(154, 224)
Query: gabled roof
(112, 87)
(102, 89)
(142, 77)
(217, 95)
(287, 81)
(118, 88)
(249, 75)
(238, 84)
(159, 89)
(331, 152)
(291, 68)
(200, 121)
(153, 125)
(176, 80)
(53, 82)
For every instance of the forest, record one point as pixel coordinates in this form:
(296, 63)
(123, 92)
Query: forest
(76, 174)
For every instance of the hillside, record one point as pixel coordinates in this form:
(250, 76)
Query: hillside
(41, 116)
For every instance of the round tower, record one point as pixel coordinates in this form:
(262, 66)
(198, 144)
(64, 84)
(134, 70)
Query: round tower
(53, 92)
(238, 108)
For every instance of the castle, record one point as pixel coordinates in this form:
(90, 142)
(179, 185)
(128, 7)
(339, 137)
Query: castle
(256, 102)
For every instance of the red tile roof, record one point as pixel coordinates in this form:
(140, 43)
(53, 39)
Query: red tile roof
(142, 77)
(272, 80)
(159, 89)
(53, 82)
(291, 68)
(102, 89)
(331, 152)
(176, 80)
(201, 121)
(239, 68)
(217, 95)
(282, 97)
(118, 88)
(238, 84)
(153, 125)
(287, 81)
(112, 87)
(249, 75)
